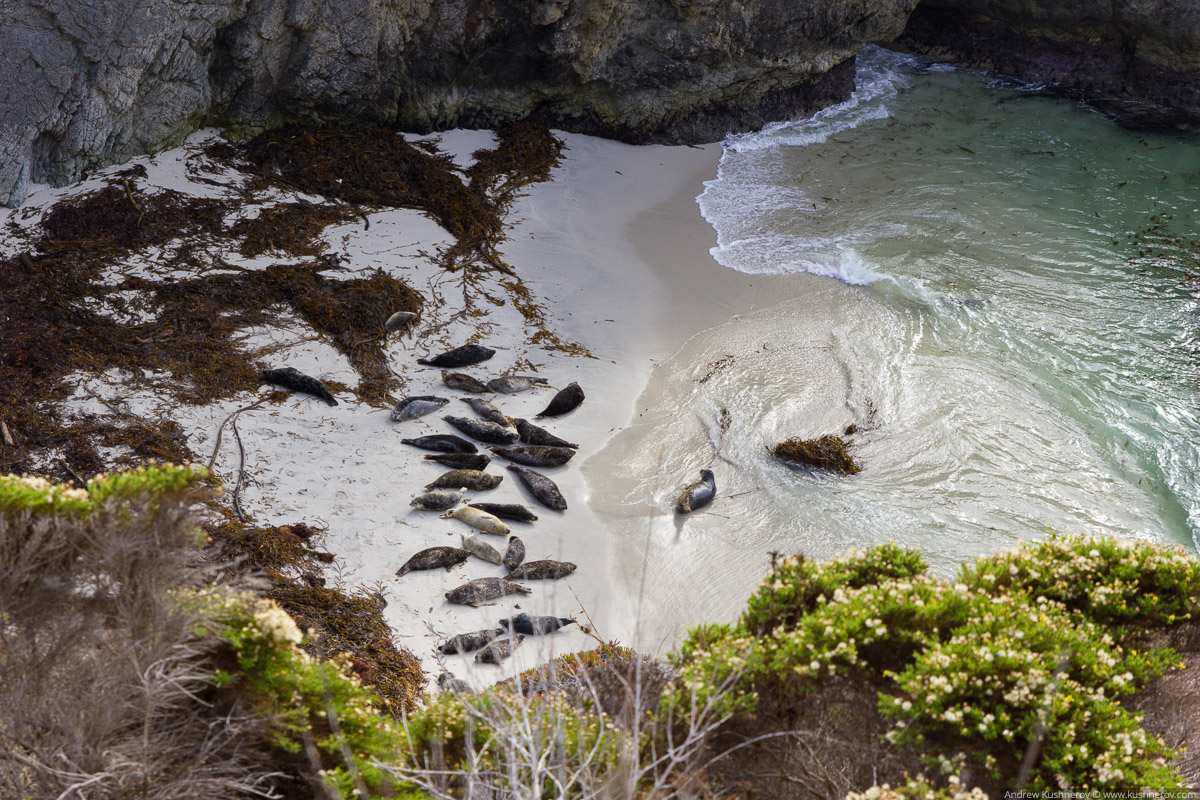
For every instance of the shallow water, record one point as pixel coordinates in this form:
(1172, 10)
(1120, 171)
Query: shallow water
(1013, 359)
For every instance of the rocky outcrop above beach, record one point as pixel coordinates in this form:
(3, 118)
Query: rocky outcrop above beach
(1138, 60)
(87, 84)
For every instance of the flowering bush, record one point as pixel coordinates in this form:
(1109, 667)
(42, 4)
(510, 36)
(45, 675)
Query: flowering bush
(25, 492)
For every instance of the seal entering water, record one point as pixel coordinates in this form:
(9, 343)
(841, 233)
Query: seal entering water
(698, 494)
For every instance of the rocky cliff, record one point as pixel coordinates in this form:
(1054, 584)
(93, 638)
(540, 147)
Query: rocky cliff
(86, 83)
(1138, 60)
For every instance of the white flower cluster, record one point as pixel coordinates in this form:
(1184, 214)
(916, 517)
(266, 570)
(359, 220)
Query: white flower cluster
(277, 624)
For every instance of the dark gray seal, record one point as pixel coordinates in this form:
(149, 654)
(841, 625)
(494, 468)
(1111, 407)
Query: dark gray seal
(418, 406)
(498, 650)
(463, 356)
(432, 558)
(453, 685)
(442, 443)
(535, 455)
(483, 430)
(437, 501)
(481, 590)
(532, 434)
(513, 511)
(546, 570)
(464, 383)
(511, 384)
(294, 380)
(486, 410)
(466, 642)
(523, 623)
(515, 553)
(542, 488)
(566, 401)
(461, 460)
(698, 494)
(473, 479)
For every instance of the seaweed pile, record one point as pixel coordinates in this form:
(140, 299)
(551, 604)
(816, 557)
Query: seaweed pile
(827, 453)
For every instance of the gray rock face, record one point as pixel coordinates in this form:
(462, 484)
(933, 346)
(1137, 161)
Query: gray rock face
(1119, 55)
(90, 83)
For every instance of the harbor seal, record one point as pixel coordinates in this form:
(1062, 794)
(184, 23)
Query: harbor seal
(544, 490)
(466, 642)
(480, 520)
(418, 406)
(511, 384)
(535, 455)
(461, 460)
(566, 401)
(483, 430)
(437, 501)
(486, 410)
(498, 650)
(449, 683)
(523, 623)
(462, 382)
(482, 590)
(398, 320)
(514, 555)
(432, 558)
(546, 570)
(294, 380)
(463, 356)
(442, 443)
(513, 511)
(532, 434)
(699, 494)
(481, 549)
(473, 479)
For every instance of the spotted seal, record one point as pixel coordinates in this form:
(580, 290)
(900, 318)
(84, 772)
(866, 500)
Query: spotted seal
(480, 520)
(498, 650)
(418, 406)
(442, 443)
(464, 383)
(481, 549)
(452, 685)
(523, 623)
(544, 490)
(398, 320)
(466, 642)
(546, 570)
(461, 460)
(515, 553)
(699, 494)
(486, 410)
(473, 479)
(511, 384)
(432, 558)
(566, 401)
(535, 455)
(513, 511)
(532, 434)
(294, 380)
(482, 590)
(463, 356)
(483, 430)
(437, 501)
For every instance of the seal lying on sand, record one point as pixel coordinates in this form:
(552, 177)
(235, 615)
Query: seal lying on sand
(462, 460)
(532, 434)
(486, 410)
(473, 479)
(698, 494)
(453, 685)
(513, 511)
(481, 549)
(565, 401)
(515, 553)
(483, 430)
(464, 383)
(523, 623)
(295, 380)
(419, 406)
(511, 384)
(463, 356)
(480, 520)
(542, 488)
(535, 455)
(498, 650)
(466, 642)
(437, 501)
(432, 558)
(481, 590)
(542, 571)
(398, 320)
(442, 443)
